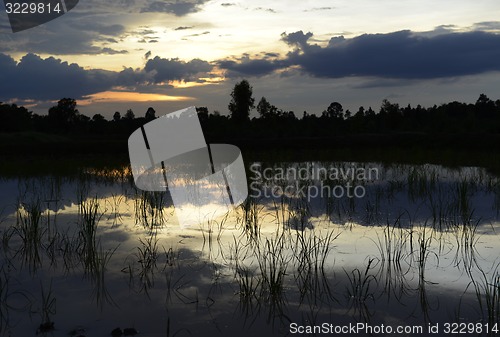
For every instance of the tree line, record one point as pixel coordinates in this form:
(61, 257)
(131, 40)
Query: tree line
(481, 117)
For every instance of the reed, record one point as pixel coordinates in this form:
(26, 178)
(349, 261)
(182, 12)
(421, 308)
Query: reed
(149, 209)
(89, 220)
(29, 229)
(361, 284)
(251, 219)
(248, 284)
(487, 290)
(310, 253)
(100, 291)
(47, 309)
(273, 264)
(4, 300)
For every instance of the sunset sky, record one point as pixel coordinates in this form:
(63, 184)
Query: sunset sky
(300, 55)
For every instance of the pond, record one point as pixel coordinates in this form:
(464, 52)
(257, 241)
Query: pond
(346, 248)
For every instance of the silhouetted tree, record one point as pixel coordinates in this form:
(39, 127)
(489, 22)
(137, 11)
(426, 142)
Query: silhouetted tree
(241, 101)
(14, 118)
(117, 116)
(334, 110)
(150, 114)
(390, 115)
(202, 113)
(129, 114)
(485, 107)
(265, 109)
(63, 114)
(98, 118)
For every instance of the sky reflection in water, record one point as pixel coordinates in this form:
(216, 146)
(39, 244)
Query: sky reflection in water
(416, 249)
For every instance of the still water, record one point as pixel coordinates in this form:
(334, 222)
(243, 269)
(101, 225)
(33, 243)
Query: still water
(317, 245)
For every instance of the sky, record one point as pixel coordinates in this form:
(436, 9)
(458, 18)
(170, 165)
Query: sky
(301, 55)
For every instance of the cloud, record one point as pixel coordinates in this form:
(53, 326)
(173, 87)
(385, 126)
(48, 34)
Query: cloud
(249, 67)
(177, 7)
(110, 30)
(198, 34)
(398, 55)
(297, 39)
(493, 26)
(39, 79)
(316, 9)
(165, 70)
(80, 36)
(270, 10)
(402, 55)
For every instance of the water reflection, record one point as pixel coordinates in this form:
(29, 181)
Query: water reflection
(91, 253)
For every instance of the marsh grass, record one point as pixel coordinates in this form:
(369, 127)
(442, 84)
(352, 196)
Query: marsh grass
(360, 289)
(147, 256)
(149, 209)
(115, 204)
(273, 264)
(394, 246)
(89, 220)
(248, 284)
(299, 213)
(466, 238)
(100, 291)
(424, 242)
(487, 289)
(4, 299)
(148, 259)
(12, 299)
(30, 230)
(310, 253)
(252, 216)
(92, 256)
(421, 180)
(46, 310)
(361, 284)
(209, 229)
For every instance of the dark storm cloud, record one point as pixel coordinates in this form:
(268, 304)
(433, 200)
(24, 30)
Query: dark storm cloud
(402, 55)
(47, 79)
(297, 39)
(249, 67)
(174, 69)
(39, 79)
(177, 7)
(398, 55)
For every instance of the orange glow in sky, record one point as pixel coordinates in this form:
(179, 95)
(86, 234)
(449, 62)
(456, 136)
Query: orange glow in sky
(125, 96)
